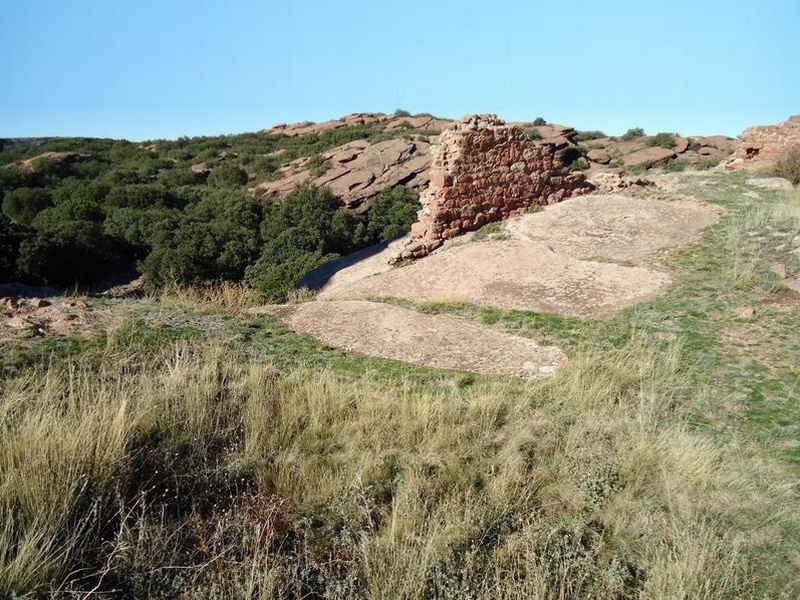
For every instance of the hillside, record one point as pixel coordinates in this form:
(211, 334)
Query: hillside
(591, 395)
(94, 212)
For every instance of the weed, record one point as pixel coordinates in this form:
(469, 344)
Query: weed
(491, 231)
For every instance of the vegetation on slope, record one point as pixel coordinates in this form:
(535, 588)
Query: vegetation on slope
(78, 212)
(193, 450)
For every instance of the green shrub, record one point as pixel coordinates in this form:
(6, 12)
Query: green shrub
(788, 166)
(318, 166)
(533, 133)
(285, 259)
(10, 237)
(663, 140)
(401, 113)
(393, 212)
(228, 175)
(217, 237)
(66, 252)
(23, 204)
(632, 134)
(539, 121)
(584, 136)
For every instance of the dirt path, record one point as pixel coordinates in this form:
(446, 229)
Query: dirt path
(398, 333)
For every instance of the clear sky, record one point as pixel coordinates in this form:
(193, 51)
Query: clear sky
(145, 69)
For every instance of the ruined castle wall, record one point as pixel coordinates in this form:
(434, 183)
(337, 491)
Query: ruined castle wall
(483, 171)
(763, 144)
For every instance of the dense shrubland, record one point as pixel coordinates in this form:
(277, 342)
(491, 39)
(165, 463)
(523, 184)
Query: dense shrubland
(81, 212)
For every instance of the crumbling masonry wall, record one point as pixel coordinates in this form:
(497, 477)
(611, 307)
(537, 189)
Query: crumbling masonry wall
(765, 144)
(483, 171)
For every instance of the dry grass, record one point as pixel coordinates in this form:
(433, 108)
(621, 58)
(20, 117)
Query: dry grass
(191, 470)
(220, 296)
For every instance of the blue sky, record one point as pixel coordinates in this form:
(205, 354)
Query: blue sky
(148, 69)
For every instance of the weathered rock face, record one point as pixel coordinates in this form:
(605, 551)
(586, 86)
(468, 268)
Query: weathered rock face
(358, 171)
(765, 143)
(484, 170)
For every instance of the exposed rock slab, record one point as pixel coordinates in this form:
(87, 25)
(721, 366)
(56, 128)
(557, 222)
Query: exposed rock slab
(558, 260)
(615, 227)
(511, 274)
(440, 341)
(647, 157)
(358, 170)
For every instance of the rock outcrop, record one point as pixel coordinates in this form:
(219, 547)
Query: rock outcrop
(358, 171)
(639, 153)
(762, 144)
(483, 171)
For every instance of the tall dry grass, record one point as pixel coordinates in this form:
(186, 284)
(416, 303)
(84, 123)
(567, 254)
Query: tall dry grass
(191, 470)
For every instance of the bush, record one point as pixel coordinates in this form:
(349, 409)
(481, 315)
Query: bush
(632, 134)
(10, 237)
(285, 259)
(228, 175)
(584, 136)
(401, 113)
(318, 166)
(533, 133)
(539, 121)
(23, 204)
(393, 212)
(663, 139)
(217, 237)
(66, 252)
(788, 166)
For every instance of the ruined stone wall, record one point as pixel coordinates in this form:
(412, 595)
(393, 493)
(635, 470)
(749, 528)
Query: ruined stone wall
(483, 171)
(765, 144)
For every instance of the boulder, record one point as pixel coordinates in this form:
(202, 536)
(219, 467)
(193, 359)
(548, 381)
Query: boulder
(599, 156)
(647, 157)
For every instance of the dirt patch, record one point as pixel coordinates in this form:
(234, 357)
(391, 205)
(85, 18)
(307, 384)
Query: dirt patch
(441, 341)
(38, 316)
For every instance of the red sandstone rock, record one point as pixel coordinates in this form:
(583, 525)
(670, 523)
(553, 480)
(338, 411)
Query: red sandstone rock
(360, 170)
(599, 156)
(647, 157)
(681, 145)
